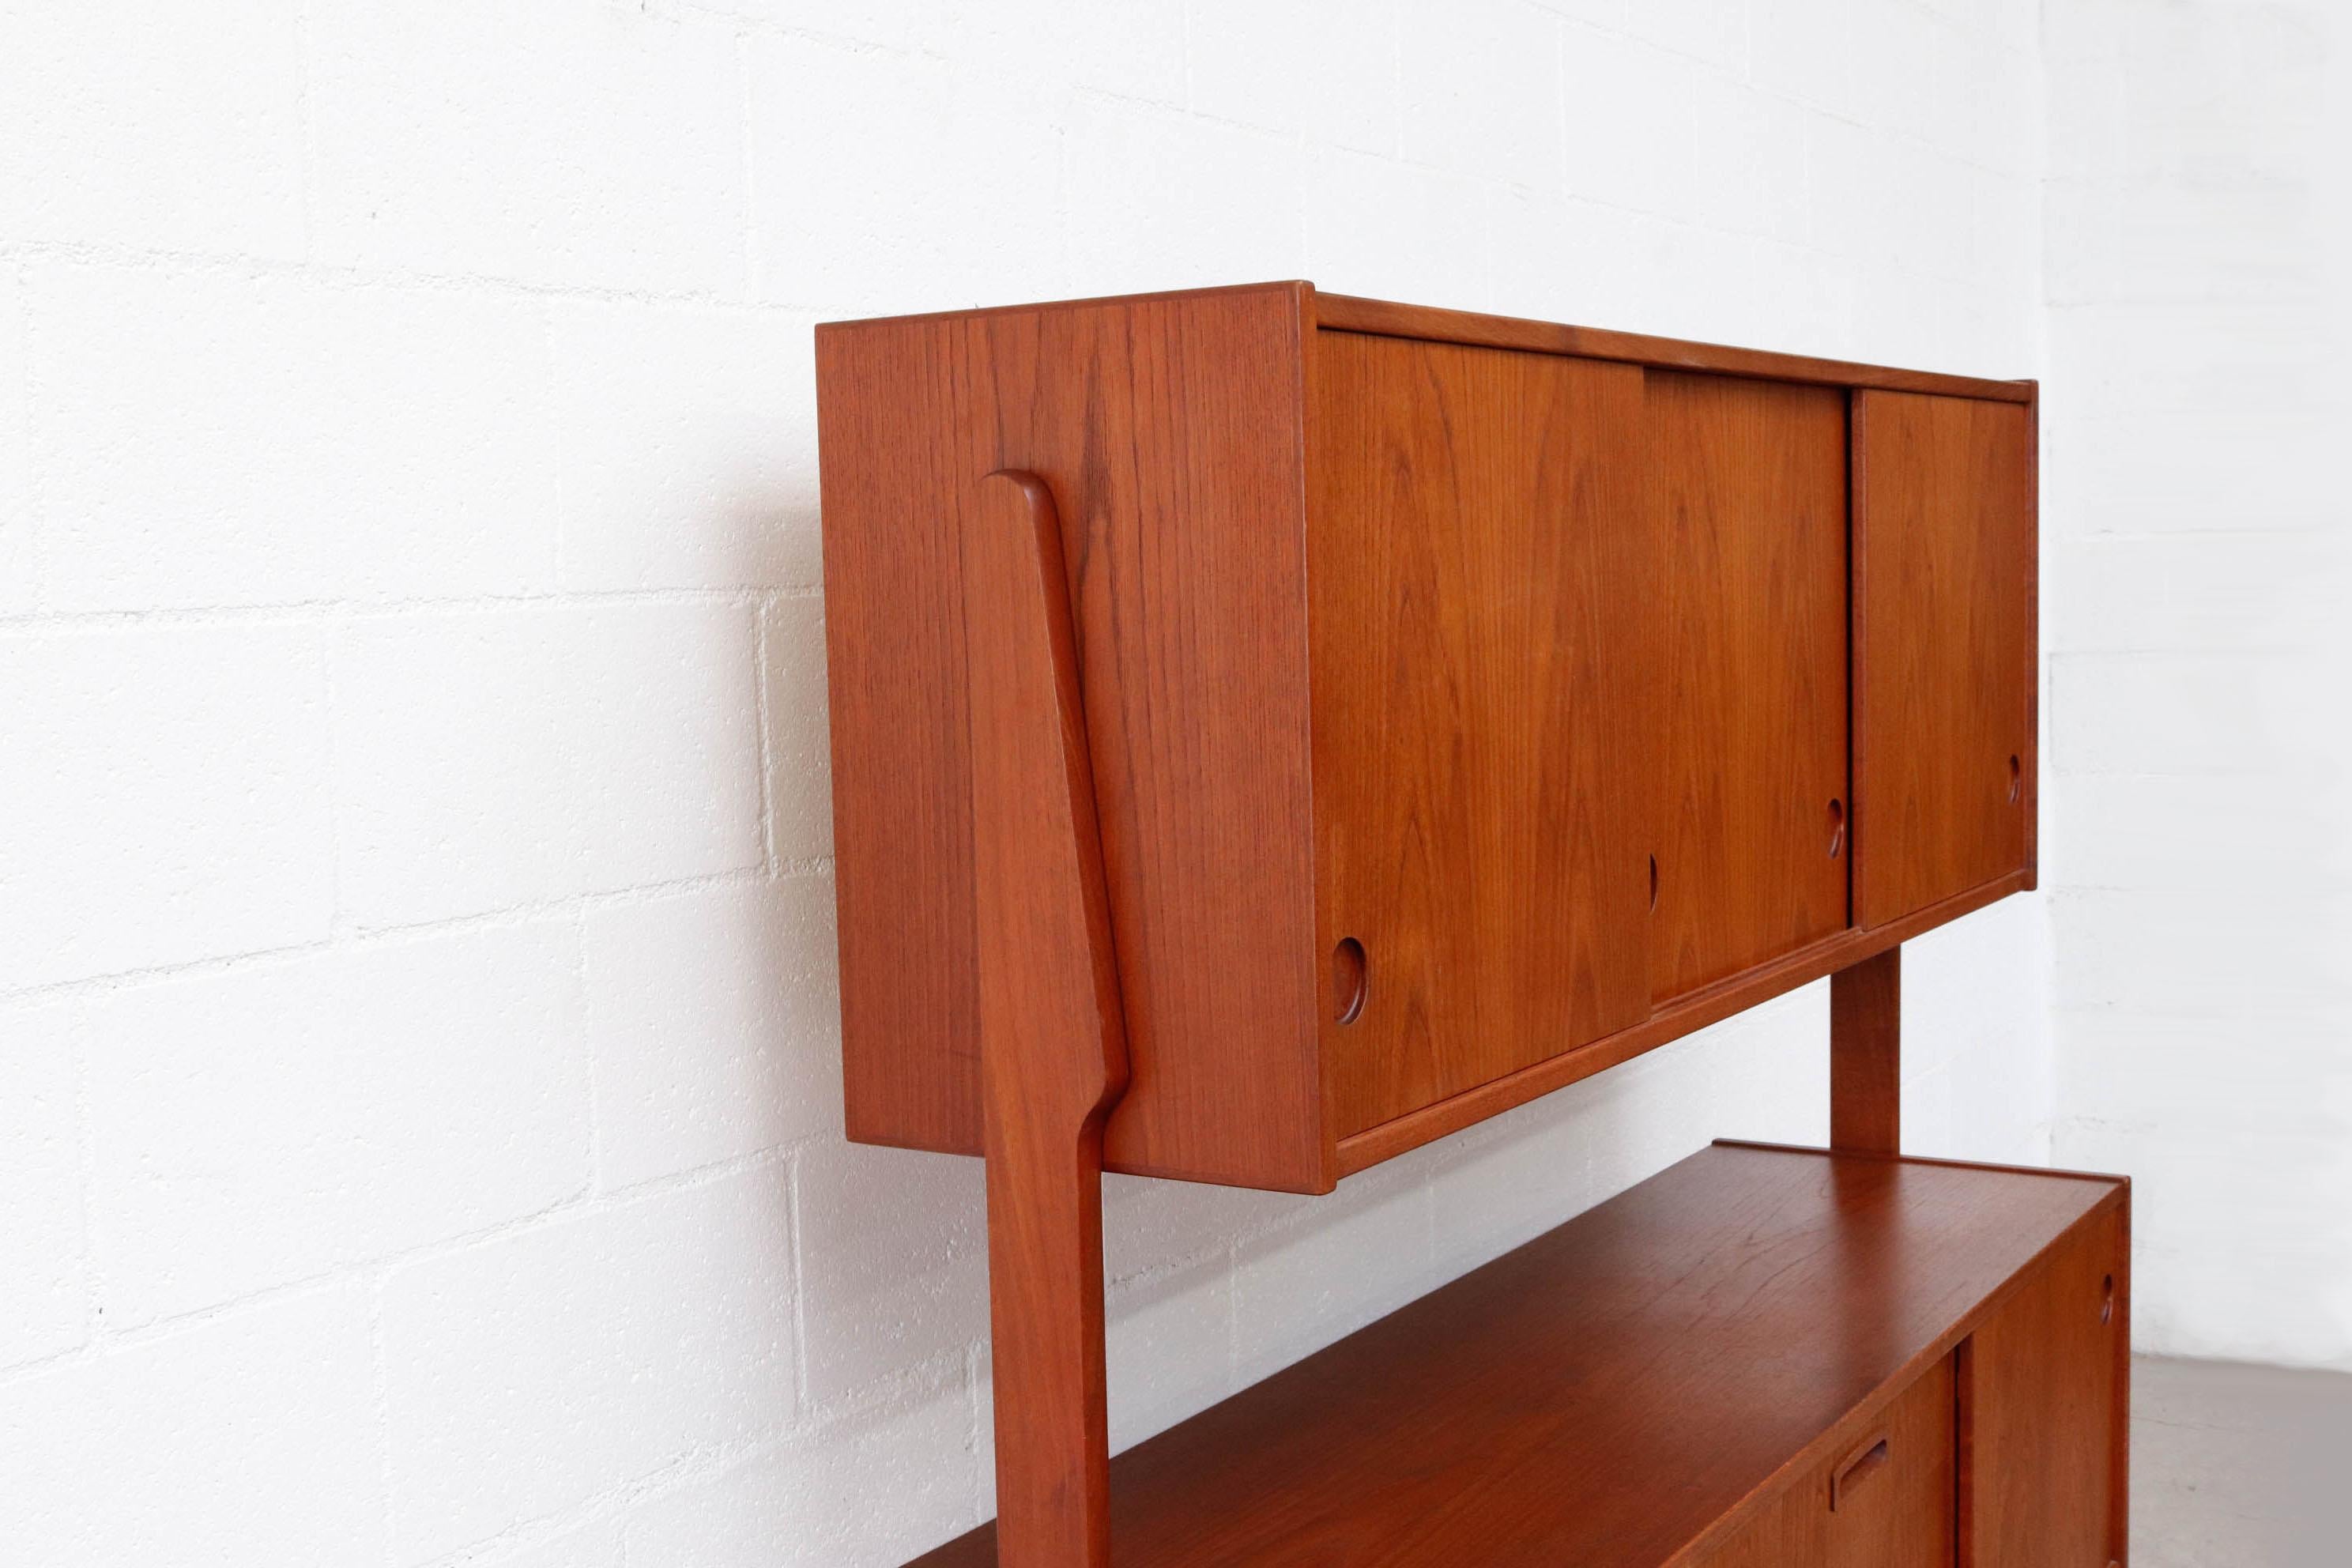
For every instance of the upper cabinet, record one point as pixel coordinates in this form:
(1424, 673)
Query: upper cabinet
(1472, 703)
(1944, 625)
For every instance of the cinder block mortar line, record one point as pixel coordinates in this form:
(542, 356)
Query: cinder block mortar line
(942, 1375)
(379, 1380)
(338, 924)
(36, 544)
(936, 1376)
(577, 931)
(125, 979)
(978, 1415)
(753, 27)
(1118, 1286)
(374, 1273)
(2215, 646)
(551, 421)
(760, 616)
(340, 612)
(2130, 535)
(799, 1276)
(616, 1503)
(358, 278)
(370, 937)
(307, 165)
(947, 1376)
(1689, 64)
(93, 1293)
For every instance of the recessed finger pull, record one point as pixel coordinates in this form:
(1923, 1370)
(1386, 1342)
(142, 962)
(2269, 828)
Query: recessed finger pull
(2016, 779)
(1837, 828)
(1857, 1470)
(1653, 881)
(1349, 979)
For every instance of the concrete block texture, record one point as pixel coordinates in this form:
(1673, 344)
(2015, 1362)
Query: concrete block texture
(419, 1047)
(2199, 873)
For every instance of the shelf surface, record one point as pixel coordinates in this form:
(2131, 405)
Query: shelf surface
(1608, 1394)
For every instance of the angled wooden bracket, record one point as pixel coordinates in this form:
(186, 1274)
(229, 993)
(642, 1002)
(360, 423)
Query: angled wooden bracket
(1052, 1035)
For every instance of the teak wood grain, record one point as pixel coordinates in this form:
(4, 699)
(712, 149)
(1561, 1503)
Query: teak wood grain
(1430, 631)
(1168, 430)
(2045, 1412)
(1348, 313)
(1477, 587)
(1944, 568)
(1866, 1056)
(1746, 485)
(1889, 1501)
(1053, 1042)
(1625, 1392)
(1696, 1011)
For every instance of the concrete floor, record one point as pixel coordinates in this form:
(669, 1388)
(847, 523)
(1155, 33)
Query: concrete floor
(2239, 1467)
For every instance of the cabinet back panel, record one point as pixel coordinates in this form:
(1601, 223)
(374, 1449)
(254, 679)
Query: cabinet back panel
(1749, 493)
(1167, 431)
(1944, 565)
(1479, 610)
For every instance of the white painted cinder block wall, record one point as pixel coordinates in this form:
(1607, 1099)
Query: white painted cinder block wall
(2195, 528)
(419, 1124)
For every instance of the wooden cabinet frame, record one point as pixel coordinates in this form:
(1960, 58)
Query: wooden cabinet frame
(1114, 592)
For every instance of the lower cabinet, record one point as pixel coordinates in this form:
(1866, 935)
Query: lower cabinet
(1759, 1358)
(2006, 1454)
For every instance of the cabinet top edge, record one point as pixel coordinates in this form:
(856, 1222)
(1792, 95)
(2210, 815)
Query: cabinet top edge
(2112, 1185)
(1381, 318)
(1291, 286)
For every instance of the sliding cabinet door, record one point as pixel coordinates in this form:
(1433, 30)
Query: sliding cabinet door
(1478, 584)
(1748, 489)
(1943, 575)
(2043, 1412)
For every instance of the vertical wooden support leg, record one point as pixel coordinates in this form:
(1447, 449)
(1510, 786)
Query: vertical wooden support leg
(1866, 1056)
(1053, 1040)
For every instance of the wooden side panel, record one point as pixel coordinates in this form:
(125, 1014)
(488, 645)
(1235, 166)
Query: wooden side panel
(1944, 574)
(1885, 1500)
(1168, 430)
(891, 441)
(1476, 531)
(2042, 1419)
(1748, 497)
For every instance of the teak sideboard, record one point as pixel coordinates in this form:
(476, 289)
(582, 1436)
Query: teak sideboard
(1274, 730)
